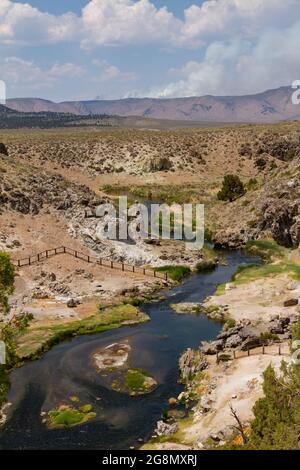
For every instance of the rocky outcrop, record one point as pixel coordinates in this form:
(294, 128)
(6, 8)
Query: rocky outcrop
(213, 347)
(3, 149)
(160, 164)
(191, 362)
(282, 218)
(165, 429)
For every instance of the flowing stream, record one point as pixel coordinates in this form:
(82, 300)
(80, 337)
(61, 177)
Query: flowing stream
(68, 370)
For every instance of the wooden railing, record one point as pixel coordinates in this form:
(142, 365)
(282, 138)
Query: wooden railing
(44, 255)
(272, 350)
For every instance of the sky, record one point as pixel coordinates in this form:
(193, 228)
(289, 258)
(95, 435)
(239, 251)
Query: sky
(111, 49)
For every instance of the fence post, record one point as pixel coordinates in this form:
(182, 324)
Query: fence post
(29, 261)
(263, 351)
(38, 257)
(133, 269)
(47, 254)
(279, 350)
(144, 271)
(76, 254)
(112, 265)
(217, 357)
(154, 273)
(248, 352)
(89, 259)
(64, 249)
(234, 355)
(166, 276)
(123, 267)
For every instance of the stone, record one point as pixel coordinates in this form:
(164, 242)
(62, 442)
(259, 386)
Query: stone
(172, 401)
(276, 327)
(72, 303)
(225, 334)
(213, 347)
(233, 341)
(293, 319)
(192, 361)
(165, 429)
(251, 343)
(200, 445)
(291, 303)
(247, 332)
(3, 149)
(206, 404)
(226, 433)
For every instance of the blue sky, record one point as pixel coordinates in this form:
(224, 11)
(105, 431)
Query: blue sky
(83, 49)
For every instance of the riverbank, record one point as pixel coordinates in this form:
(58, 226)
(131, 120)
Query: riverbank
(223, 378)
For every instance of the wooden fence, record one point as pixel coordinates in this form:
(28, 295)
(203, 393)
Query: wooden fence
(30, 260)
(273, 350)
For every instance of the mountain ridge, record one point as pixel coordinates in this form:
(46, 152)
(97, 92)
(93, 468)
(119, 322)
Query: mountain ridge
(265, 107)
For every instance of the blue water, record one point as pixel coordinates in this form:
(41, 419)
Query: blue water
(67, 370)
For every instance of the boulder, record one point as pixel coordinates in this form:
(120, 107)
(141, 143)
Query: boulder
(192, 362)
(3, 149)
(225, 334)
(251, 343)
(160, 164)
(206, 404)
(233, 341)
(213, 347)
(72, 303)
(165, 429)
(276, 327)
(291, 303)
(248, 332)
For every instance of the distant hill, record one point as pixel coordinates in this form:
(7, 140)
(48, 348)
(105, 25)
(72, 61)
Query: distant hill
(11, 119)
(269, 106)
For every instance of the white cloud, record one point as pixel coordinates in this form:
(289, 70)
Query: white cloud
(16, 72)
(226, 18)
(26, 75)
(239, 66)
(128, 22)
(112, 72)
(115, 22)
(244, 46)
(23, 24)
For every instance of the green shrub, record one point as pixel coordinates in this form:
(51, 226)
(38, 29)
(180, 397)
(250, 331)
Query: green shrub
(232, 188)
(7, 278)
(230, 323)
(176, 273)
(252, 184)
(267, 336)
(206, 266)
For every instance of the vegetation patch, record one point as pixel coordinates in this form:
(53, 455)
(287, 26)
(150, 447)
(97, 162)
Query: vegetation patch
(68, 416)
(35, 340)
(186, 308)
(176, 273)
(134, 382)
(251, 273)
(169, 194)
(232, 188)
(206, 266)
(267, 249)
